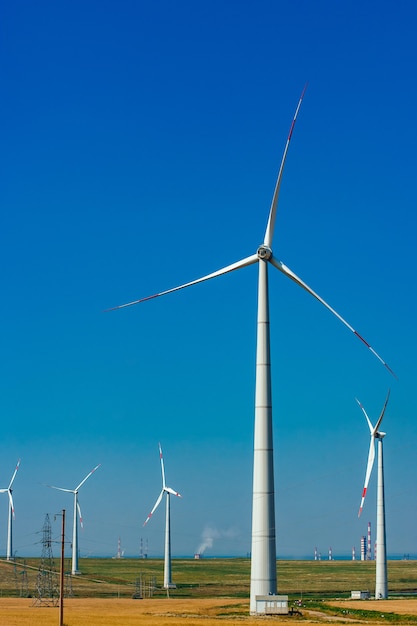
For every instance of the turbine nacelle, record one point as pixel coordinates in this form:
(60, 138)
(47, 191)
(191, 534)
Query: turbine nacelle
(172, 492)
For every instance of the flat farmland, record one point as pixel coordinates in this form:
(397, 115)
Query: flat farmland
(126, 612)
(196, 612)
(110, 592)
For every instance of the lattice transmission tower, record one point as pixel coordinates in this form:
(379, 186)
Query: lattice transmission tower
(24, 587)
(47, 587)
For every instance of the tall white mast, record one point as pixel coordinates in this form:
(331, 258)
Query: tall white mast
(381, 585)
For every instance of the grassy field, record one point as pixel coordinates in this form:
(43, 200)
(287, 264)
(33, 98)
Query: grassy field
(123, 578)
(209, 591)
(208, 578)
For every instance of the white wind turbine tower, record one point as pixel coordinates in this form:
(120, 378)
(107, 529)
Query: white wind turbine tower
(77, 509)
(263, 553)
(9, 491)
(168, 584)
(381, 584)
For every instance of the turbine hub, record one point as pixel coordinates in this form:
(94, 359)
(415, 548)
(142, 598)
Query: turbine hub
(264, 252)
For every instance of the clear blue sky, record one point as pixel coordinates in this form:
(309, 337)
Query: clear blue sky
(140, 147)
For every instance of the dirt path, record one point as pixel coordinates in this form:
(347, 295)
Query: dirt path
(327, 618)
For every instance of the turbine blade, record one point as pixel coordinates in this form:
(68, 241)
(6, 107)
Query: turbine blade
(371, 458)
(3, 490)
(371, 428)
(171, 491)
(378, 424)
(157, 503)
(269, 233)
(79, 515)
(162, 466)
(88, 476)
(286, 270)
(61, 488)
(250, 260)
(14, 474)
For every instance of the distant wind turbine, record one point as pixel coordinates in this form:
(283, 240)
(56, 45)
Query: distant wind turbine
(168, 584)
(9, 491)
(381, 584)
(263, 553)
(74, 569)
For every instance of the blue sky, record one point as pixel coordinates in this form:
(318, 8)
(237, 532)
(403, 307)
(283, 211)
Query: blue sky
(140, 147)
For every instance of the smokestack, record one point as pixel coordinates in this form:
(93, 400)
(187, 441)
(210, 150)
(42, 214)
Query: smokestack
(119, 549)
(369, 547)
(363, 548)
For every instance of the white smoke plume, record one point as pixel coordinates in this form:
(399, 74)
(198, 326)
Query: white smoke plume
(209, 535)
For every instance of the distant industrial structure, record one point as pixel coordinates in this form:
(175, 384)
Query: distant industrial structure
(363, 548)
(120, 552)
(369, 544)
(143, 553)
(366, 552)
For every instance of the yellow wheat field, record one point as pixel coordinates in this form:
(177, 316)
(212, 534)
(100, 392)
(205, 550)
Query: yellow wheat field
(126, 612)
(399, 606)
(169, 612)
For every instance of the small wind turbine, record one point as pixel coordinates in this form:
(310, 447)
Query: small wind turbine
(9, 491)
(168, 584)
(263, 553)
(74, 569)
(381, 585)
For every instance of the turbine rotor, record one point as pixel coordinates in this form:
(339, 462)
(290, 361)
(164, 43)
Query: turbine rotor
(264, 252)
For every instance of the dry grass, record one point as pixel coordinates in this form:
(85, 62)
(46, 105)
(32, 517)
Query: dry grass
(174, 612)
(114, 612)
(400, 606)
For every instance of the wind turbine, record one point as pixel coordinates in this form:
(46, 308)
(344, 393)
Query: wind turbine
(263, 553)
(74, 569)
(381, 585)
(9, 491)
(168, 584)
